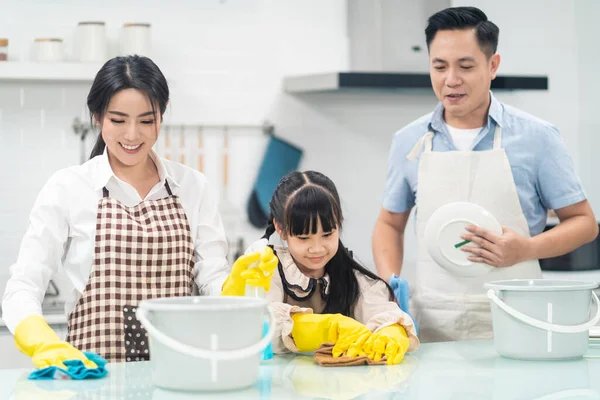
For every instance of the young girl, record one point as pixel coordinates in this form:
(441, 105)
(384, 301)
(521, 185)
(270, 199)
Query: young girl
(320, 293)
(126, 226)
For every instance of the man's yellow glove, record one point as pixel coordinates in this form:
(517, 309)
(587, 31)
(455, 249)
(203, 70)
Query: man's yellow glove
(310, 331)
(391, 342)
(255, 269)
(35, 338)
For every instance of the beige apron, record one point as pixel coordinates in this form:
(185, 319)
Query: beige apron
(141, 252)
(314, 301)
(445, 306)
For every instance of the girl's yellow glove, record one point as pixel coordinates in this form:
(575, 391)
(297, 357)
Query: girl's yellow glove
(391, 342)
(243, 271)
(310, 331)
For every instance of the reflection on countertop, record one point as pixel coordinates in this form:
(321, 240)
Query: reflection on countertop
(453, 370)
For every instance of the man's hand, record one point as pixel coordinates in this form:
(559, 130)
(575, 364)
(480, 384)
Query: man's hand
(504, 250)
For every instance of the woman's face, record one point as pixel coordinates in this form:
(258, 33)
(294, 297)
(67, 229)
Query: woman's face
(130, 127)
(312, 252)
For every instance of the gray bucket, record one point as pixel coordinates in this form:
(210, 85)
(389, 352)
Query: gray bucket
(205, 343)
(542, 319)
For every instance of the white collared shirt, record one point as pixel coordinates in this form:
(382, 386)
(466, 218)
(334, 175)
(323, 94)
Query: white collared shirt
(62, 227)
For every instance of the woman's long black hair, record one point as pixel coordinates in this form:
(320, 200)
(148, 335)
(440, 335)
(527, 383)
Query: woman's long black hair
(130, 72)
(301, 199)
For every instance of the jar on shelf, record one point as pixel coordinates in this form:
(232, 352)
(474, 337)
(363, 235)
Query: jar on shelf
(135, 39)
(3, 49)
(48, 49)
(90, 42)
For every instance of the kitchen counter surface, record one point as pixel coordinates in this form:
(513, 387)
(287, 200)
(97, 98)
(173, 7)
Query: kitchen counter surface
(454, 370)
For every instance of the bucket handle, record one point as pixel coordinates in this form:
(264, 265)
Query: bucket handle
(215, 355)
(546, 326)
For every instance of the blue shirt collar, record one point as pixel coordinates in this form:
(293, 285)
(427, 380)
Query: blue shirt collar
(437, 123)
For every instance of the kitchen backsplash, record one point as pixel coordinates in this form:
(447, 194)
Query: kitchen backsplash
(37, 139)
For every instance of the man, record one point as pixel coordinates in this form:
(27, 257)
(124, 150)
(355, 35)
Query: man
(473, 148)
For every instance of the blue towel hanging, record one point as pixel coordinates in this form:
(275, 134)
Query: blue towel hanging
(280, 159)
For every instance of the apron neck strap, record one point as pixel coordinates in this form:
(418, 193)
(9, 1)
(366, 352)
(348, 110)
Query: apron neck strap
(425, 141)
(105, 192)
(497, 137)
(168, 188)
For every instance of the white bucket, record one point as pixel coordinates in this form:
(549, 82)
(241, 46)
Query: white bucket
(542, 319)
(205, 343)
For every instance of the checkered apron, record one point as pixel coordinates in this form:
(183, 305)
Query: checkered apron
(141, 252)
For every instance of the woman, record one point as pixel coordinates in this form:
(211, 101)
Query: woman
(126, 226)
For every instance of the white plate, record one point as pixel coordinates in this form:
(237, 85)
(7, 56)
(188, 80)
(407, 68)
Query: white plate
(443, 231)
(595, 332)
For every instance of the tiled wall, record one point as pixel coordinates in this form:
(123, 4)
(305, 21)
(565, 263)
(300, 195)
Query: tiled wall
(35, 141)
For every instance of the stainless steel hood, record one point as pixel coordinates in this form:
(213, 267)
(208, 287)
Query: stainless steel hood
(388, 51)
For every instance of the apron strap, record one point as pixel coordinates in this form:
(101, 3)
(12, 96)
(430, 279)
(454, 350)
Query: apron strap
(497, 137)
(168, 188)
(426, 141)
(105, 190)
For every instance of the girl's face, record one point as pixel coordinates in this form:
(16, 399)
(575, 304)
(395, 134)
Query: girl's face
(312, 252)
(129, 127)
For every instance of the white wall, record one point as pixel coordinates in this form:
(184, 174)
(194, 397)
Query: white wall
(587, 13)
(225, 63)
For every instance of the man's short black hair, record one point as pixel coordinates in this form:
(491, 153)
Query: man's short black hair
(459, 18)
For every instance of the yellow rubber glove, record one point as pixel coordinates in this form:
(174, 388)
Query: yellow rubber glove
(391, 341)
(310, 331)
(245, 272)
(36, 339)
(235, 285)
(261, 275)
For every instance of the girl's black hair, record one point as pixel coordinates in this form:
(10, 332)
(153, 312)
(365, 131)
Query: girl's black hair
(300, 201)
(130, 72)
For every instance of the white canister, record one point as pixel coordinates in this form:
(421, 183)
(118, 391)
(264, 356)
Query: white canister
(48, 50)
(90, 42)
(135, 39)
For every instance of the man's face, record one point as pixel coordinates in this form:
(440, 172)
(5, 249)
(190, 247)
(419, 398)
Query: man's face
(461, 73)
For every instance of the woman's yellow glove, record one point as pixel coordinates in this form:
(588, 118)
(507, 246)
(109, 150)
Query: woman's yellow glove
(255, 269)
(310, 331)
(391, 342)
(35, 338)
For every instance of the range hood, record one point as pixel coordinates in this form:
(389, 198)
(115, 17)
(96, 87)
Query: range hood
(387, 51)
(394, 81)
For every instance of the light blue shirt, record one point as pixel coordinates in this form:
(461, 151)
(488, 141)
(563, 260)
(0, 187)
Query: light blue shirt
(542, 168)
